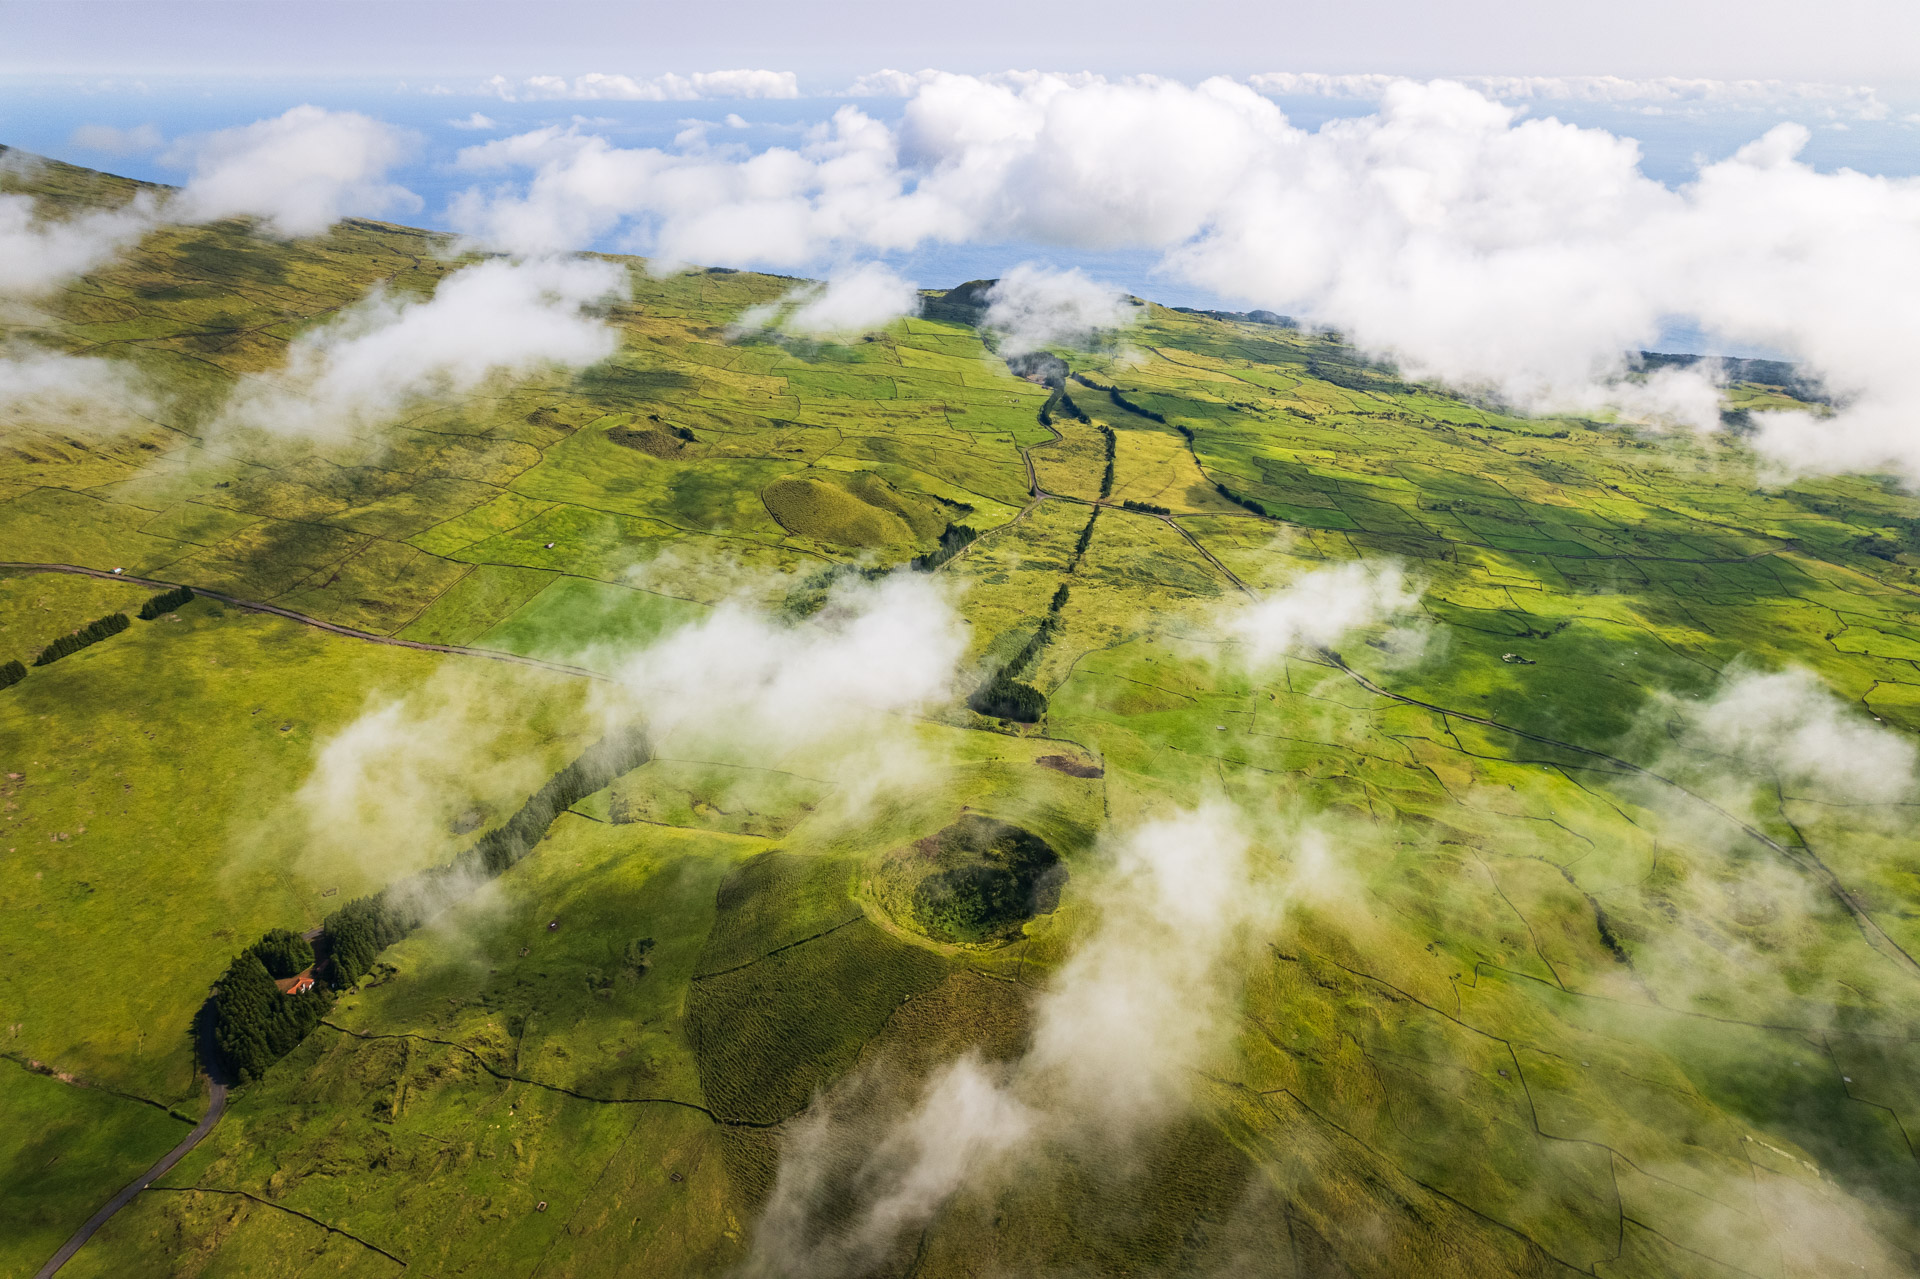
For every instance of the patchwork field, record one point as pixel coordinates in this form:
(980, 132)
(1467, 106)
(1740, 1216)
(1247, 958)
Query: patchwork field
(1555, 981)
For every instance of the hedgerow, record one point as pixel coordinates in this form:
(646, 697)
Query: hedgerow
(92, 633)
(166, 602)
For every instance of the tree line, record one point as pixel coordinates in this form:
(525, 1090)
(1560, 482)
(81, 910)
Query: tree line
(1003, 695)
(1062, 403)
(166, 602)
(254, 1025)
(1121, 401)
(92, 633)
(1239, 499)
(1145, 508)
(952, 540)
(1085, 539)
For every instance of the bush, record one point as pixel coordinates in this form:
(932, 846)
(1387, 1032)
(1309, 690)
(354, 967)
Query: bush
(166, 602)
(92, 633)
(12, 673)
(283, 953)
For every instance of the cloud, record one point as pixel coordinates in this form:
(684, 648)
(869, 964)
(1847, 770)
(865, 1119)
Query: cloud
(476, 121)
(498, 318)
(1519, 257)
(86, 394)
(741, 678)
(1033, 306)
(1317, 608)
(1789, 724)
(108, 140)
(39, 253)
(887, 84)
(1668, 93)
(396, 789)
(1119, 1035)
(857, 300)
(699, 86)
(300, 172)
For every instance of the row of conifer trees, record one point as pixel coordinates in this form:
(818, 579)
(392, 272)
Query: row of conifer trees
(93, 632)
(255, 1025)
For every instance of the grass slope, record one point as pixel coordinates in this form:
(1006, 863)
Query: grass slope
(1541, 1014)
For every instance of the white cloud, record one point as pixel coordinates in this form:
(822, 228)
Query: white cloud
(1033, 306)
(738, 677)
(1788, 723)
(301, 171)
(498, 318)
(38, 253)
(887, 84)
(1519, 257)
(1119, 1035)
(699, 86)
(1668, 93)
(476, 121)
(387, 790)
(1317, 608)
(108, 140)
(41, 388)
(853, 301)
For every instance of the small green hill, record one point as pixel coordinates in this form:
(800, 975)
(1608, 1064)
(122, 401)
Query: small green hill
(858, 509)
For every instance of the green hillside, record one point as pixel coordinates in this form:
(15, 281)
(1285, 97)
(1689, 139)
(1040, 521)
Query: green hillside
(1552, 982)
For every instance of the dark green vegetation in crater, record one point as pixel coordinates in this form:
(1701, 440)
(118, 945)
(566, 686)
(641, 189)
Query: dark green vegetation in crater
(983, 879)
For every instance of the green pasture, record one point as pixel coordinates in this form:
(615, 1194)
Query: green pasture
(1537, 996)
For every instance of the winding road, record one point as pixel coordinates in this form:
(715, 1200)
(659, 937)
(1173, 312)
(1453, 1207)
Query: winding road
(215, 1109)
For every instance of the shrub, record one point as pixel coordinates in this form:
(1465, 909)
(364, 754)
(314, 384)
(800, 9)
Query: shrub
(92, 633)
(165, 602)
(12, 673)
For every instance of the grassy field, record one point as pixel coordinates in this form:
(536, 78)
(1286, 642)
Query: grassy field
(1540, 1008)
